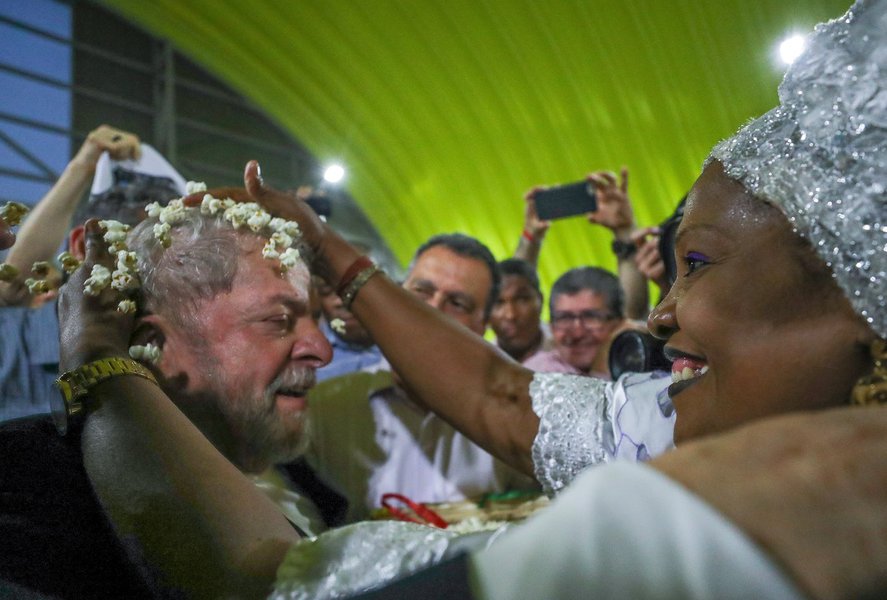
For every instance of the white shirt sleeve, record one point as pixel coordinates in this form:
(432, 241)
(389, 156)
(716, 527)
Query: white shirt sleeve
(626, 531)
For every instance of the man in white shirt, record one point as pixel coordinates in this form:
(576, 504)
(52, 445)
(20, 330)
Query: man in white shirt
(369, 438)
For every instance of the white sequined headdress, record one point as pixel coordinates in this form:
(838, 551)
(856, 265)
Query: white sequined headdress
(821, 155)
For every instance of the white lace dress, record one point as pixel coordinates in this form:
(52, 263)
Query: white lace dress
(583, 422)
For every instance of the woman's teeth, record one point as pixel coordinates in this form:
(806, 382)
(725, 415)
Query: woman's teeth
(688, 373)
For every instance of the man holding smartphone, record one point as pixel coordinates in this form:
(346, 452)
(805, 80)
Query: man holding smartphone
(612, 210)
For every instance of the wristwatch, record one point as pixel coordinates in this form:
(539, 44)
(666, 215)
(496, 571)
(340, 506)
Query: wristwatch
(623, 250)
(74, 386)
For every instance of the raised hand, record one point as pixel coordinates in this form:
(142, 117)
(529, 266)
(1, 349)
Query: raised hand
(613, 205)
(287, 205)
(119, 144)
(648, 259)
(533, 225)
(91, 327)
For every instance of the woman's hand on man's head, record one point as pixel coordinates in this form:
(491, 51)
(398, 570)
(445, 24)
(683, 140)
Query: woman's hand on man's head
(91, 327)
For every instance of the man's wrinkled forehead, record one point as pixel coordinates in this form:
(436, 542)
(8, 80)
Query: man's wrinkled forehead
(254, 270)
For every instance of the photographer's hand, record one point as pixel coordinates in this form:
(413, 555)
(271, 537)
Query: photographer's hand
(613, 205)
(119, 144)
(615, 213)
(530, 242)
(648, 259)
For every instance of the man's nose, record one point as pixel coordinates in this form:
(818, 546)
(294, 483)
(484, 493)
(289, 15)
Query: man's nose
(438, 300)
(311, 346)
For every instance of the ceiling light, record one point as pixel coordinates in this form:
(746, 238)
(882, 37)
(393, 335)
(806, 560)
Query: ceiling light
(334, 173)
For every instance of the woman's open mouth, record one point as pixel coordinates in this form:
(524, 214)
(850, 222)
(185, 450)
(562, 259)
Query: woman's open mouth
(685, 371)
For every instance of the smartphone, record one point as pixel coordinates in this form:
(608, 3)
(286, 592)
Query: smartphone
(565, 200)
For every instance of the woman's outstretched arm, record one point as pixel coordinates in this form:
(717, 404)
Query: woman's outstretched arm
(454, 372)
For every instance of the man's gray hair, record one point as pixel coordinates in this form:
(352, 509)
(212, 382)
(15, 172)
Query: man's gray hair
(593, 279)
(200, 263)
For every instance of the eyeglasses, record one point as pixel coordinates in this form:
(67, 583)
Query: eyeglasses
(590, 319)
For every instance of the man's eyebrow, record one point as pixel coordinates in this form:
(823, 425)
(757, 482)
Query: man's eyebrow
(289, 300)
(423, 281)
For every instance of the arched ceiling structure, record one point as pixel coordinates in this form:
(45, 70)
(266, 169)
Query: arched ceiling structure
(446, 111)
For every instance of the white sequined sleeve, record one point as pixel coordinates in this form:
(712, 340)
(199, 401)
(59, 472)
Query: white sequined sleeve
(585, 421)
(575, 428)
(364, 556)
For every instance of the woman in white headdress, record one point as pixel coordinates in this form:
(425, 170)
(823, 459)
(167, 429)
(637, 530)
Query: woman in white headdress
(778, 307)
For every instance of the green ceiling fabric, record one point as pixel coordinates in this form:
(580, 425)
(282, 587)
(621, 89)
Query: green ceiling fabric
(446, 111)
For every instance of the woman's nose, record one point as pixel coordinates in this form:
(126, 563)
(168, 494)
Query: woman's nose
(663, 320)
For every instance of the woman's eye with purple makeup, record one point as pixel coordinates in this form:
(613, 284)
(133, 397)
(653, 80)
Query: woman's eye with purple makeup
(695, 261)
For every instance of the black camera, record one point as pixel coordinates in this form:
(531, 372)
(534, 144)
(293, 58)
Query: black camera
(636, 352)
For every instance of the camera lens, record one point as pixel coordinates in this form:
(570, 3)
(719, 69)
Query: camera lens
(636, 352)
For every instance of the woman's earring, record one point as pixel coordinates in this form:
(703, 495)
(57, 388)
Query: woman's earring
(872, 389)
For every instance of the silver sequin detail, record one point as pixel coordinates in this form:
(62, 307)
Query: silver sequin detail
(364, 556)
(821, 155)
(575, 430)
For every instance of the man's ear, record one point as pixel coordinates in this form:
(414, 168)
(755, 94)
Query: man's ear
(153, 329)
(149, 329)
(77, 242)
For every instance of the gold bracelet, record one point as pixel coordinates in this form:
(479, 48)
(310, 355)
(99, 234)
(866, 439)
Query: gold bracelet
(75, 385)
(350, 291)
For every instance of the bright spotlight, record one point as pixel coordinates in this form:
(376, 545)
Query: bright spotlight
(334, 173)
(791, 48)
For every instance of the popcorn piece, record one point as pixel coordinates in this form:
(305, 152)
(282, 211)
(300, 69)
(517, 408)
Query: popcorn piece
(192, 187)
(37, 286)
(153, 209)
(13, 212)
(123, 281)
(211, 206)
(240, 214)
(148, 352)
(98, 280)
(126, 307)
(125, 276)
(126, 261)
(280, 238)
(161, 232)
(40, 269)
(7, 272)
(114, 230)
(68, 262)
(270, 251)
(258, 220)
(289, 259)
(338, 325)
(290, 228)
(174, 212)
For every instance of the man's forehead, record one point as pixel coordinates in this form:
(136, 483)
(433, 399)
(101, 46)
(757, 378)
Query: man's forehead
(440, 265)
(264, 275)
(580, 300)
